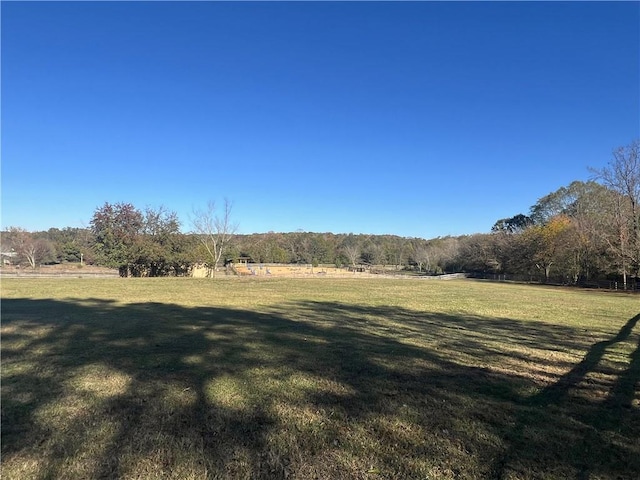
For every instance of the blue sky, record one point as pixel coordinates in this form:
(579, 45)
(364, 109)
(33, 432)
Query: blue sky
(419, 119)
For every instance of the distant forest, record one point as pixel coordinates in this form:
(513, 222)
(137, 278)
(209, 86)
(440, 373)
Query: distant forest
(582, 233)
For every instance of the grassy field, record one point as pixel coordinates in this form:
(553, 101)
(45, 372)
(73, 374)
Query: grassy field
(317, 378)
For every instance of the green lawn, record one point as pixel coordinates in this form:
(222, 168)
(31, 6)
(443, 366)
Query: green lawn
(317, 378)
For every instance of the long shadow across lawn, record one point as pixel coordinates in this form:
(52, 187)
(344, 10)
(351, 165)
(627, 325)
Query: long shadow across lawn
(95, 389)
(610, 420)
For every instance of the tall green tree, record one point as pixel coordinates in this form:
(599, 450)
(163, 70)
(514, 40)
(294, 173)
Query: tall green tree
(70, 244)
(159, 250)
(515, 224)
(141, 243)
(116, 229)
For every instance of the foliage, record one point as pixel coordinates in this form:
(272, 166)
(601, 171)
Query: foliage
(140, 243)
(115, 230)
(580, 233)
(515, 224)
(69, 244)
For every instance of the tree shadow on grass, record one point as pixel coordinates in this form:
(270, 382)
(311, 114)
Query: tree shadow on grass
(602, 430)
(96, 389)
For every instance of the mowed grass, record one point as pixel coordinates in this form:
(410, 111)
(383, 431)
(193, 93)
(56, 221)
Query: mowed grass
(317, 378)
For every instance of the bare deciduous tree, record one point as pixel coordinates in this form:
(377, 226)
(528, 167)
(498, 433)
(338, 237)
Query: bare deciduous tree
(353, 253)
(215, 231)
(29, 249)
(422, 256)
(622, 175)
(376, 252)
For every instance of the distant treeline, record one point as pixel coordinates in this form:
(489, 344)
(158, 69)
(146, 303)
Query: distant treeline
(581, 233)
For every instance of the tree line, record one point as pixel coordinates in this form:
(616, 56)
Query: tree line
(580, 233)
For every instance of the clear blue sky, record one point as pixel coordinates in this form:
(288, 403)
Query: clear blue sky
(411, 118)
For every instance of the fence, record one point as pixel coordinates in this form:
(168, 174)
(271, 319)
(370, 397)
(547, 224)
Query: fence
(632, 284)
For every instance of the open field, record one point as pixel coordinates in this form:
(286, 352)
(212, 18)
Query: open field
(317, 378)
